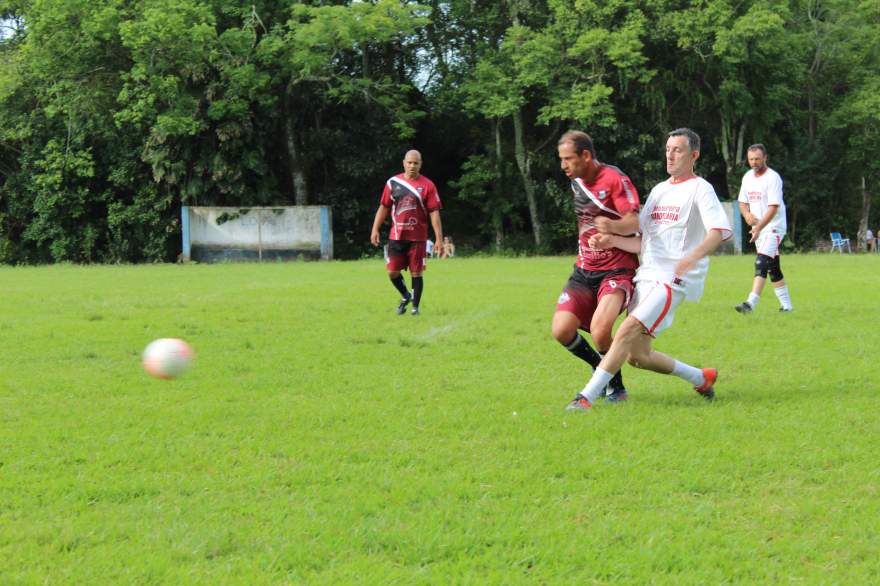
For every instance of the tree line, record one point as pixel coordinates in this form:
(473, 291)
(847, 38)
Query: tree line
(114, 113)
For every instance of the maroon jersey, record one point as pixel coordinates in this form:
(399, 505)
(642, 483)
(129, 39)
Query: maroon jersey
(411, 201)
(612, 195)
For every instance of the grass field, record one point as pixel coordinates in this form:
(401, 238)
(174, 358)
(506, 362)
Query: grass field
(321, 439)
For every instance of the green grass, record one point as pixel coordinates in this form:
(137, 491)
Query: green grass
(320, 439)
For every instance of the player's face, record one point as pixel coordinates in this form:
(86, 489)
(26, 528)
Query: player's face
(757, 160)
(572, 163)
(680, 158)
(412, 164)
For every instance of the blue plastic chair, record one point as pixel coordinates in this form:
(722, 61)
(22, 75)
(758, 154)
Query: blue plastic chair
(838, 242)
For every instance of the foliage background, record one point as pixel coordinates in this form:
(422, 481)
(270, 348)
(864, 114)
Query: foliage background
(113, 113)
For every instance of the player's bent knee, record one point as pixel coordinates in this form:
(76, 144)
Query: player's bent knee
(775, 271)
(629, 330)
(564, 327)
(602, 340)
(393, 274)
(563, 333)
(762, 265)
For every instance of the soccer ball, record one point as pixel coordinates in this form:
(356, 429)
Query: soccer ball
(167, 358)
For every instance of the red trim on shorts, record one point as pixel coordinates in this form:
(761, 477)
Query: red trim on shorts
(665, 309)
(723, 231)
(644, 327)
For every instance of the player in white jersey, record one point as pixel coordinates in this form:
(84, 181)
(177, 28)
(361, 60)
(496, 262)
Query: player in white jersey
(682, 223)
(760, 202)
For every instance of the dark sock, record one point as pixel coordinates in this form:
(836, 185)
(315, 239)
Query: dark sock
(418, 284)
(616, 382)
(400, 286)
(579, 347)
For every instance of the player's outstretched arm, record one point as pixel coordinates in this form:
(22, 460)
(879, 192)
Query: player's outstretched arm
(381, 216)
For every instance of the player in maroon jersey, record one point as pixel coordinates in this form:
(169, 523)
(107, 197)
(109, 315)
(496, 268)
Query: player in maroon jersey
(600, 286)
(411, 199)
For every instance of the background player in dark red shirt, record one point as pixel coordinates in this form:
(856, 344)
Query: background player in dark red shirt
(410, 199)
(600, 287)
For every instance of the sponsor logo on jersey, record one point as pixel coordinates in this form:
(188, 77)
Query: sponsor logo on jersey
(406, 204)
(665, 214)
(563, 298)
(603, 194)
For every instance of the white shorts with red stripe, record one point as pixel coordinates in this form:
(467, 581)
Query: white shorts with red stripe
(654, 305)
(768, 243)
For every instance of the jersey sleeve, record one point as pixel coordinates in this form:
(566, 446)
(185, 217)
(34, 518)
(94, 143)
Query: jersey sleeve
(625, 196)
(432, 199)
(386, 200)
(774, 190)
(712, 212)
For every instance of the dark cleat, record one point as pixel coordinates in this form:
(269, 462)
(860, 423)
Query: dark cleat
(743, 307)
(785, 310)
(615, 392)
(401, 309)
(415, 310)
(616, 396)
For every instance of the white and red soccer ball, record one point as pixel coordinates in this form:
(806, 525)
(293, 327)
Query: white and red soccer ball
(167, 358)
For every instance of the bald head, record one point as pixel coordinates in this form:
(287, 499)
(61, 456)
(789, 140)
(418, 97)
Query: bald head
(412, 164)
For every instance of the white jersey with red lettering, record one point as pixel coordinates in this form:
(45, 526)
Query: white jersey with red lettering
(760, 192)
(674, 221)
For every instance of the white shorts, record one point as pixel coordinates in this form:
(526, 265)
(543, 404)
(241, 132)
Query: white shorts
(654, 305)
(768, 243)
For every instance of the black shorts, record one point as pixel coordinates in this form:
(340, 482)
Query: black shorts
(399, 247)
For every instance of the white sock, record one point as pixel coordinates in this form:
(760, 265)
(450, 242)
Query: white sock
(782, 295)
(689, 373)
(753, 299)
(596, 387)
(604, 391)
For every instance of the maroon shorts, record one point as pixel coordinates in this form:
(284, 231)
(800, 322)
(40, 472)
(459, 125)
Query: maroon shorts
(585, 288)
(406, 254)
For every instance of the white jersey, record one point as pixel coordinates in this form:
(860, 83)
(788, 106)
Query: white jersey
(674, 221)
(761, 192)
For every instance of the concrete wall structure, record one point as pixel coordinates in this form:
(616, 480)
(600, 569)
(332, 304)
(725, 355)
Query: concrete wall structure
(212, 234)
(735, 244)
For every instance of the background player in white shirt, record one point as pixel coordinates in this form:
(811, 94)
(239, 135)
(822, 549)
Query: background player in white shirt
(760, 202)
(682, 223)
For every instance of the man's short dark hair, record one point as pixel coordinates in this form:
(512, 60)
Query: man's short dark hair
(692, 137)
(758, 147)
(581, 141)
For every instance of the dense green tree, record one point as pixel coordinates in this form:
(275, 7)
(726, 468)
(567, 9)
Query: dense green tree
(113, 113)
